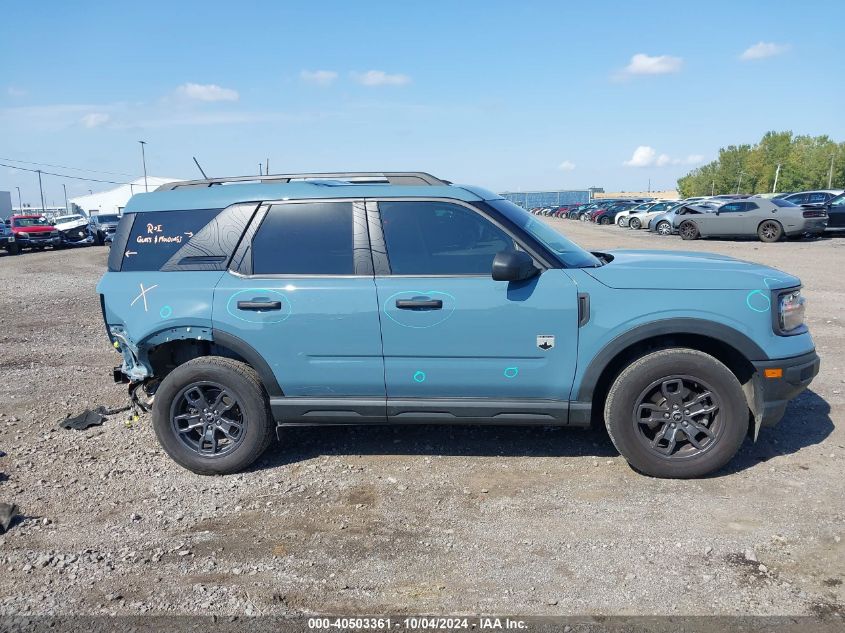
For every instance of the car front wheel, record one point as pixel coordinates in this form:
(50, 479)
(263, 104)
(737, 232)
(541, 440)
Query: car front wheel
(688, 230)
(664, 228)
(676, 413)
(212, 415)
(634, 223)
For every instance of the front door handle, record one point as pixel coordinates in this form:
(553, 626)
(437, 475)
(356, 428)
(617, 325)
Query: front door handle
(412, 304)
(257, 304)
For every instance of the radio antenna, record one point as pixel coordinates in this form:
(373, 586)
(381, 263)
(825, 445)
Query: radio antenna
(199, 167)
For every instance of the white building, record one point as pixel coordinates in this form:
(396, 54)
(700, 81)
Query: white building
(113, 200)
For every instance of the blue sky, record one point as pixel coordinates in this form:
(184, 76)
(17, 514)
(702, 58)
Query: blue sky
(506, 95)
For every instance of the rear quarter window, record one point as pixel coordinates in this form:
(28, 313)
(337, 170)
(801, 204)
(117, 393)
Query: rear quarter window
(157, 235)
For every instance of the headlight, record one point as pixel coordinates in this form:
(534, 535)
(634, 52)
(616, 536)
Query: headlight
(791, 307)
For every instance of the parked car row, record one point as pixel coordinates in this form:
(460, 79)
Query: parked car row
(35, 232)
(768, 218)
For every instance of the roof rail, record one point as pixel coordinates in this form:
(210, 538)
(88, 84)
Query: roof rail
(406, 178)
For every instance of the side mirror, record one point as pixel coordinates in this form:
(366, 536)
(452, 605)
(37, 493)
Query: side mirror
(513, 266)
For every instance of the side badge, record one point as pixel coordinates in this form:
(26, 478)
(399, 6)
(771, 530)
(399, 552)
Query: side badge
(545, 342)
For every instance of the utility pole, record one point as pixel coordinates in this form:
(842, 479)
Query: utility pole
(267, 168)
(144, 162)
(67, 208)
(830, 173)
(777, 173)
(649, 185)
(20, 200)
(41, 189)
(739, 182)
(260, 170)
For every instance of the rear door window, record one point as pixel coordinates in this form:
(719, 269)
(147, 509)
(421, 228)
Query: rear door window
(157, 235)
(313, 238)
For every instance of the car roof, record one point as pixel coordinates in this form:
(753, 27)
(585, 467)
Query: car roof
(220, 196)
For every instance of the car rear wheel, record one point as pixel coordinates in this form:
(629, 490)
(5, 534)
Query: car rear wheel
(605, 221)
(664, 228)
(676, 413)
(770, 231)
(688, 230)
(622, 221)
(212, 416)
(635, 223)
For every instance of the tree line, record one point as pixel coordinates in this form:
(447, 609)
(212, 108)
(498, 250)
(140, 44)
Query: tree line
(798, 163)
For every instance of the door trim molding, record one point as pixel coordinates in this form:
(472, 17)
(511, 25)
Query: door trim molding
(300, 411)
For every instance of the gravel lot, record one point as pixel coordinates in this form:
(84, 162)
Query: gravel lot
(404, 520)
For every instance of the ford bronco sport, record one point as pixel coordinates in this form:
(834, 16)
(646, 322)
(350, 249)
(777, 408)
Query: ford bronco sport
(359, 298)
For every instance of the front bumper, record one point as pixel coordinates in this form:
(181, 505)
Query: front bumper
(775, 393)
(26, 241)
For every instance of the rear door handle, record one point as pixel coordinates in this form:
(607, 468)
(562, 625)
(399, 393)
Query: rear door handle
(411, 304)
(259, 305)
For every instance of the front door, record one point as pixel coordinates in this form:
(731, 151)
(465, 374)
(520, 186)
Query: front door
(449, 331)
(302, 294)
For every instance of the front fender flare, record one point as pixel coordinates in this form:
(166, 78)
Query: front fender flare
(664, 327)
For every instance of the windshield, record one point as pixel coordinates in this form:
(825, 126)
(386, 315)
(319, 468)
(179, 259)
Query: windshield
(22, 222)
(107, 218)
(66, 218)
(567, 252)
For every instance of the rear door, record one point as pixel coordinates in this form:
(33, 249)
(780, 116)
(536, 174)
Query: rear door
(450, 331)
(300, 291)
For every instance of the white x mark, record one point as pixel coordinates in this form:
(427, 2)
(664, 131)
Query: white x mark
(143, 295)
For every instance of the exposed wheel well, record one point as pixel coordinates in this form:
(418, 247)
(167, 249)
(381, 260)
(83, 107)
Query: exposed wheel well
(726, 354)
(167, 356)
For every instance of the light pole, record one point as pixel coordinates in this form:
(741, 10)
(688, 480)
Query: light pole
(144, 163)
(67, 209)
(41, 189)
(830, 173)
(777, 173)
(20, 200)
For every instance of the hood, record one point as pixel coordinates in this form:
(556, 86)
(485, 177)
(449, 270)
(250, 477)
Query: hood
(71, 224)
(33, 229)
(682, 270)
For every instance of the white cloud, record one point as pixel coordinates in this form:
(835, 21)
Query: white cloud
(642, 64)
(643, 156)
(381, 78)
(646, 156)
(95, 119)
(14, 91)
(207, 92)
(566, 165)
(761, 50)
(318, 77)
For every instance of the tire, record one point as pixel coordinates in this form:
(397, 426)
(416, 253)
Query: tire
(770, 231)
(14, 249)
(719, 428)
(623, 221)
(634, 223)
(99, 240)
(211, 376)
(663, 228)
(605, 221)
(688, 230)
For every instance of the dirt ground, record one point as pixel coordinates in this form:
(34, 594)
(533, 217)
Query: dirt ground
(528, 521)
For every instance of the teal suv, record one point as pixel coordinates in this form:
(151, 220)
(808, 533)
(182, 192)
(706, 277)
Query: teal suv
(241, 305)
